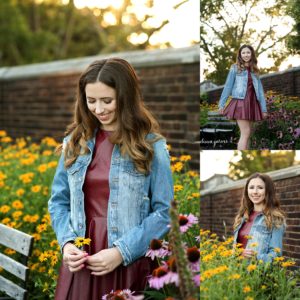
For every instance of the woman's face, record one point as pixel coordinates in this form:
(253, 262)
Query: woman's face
(257, 192)
(246, 54)
(101, 101)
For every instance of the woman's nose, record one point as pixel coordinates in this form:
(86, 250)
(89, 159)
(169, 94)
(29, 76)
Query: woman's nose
(99, 108)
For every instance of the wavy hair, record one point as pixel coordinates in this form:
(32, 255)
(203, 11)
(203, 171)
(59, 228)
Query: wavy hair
(253, 62)
(133, 120)
(274, 215)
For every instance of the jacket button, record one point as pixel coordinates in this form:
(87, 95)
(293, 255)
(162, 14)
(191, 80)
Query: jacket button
(80, 226)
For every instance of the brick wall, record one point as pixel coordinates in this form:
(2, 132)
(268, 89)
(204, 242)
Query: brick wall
(221, 204)
(38, 100)
(286, 82)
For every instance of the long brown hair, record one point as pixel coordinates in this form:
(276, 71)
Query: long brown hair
(253, 62)
(274, 215)
(133, 119)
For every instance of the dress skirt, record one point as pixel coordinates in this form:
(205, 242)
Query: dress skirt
(245, 109)
(82, 285)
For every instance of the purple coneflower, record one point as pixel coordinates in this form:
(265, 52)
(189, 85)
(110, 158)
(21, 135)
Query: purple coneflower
(296, 133)
(290, 130)
(193, 255)
(158, 248)
(122, 295)
(172, 276)
(158, 278)
(186, 221)
(196, 279)
(279, 134)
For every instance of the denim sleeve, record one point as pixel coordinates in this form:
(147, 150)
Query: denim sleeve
(227, 87)
(261, 96)
(275, 242)
(59, 206)
(134, 243)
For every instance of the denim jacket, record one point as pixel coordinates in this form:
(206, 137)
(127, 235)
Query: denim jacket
(138, 205)
(236, 86)
(263, 240)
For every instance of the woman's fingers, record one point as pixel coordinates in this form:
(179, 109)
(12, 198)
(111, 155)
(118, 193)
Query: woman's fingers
(97, 268)
(77, 268)
(76, 263)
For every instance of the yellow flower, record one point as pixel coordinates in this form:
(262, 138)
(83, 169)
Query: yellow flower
(279, 258)
(46, 219)
(277, 250)
(185, 158)
(6, 139)
(263, 287)
(177, 167)
(53, 243)
(251, 268)
(248, 237)
(36, 252)
(178, 188)
(43, 257)
(253, 245)
(169, 147)
(42, 227)
(192, 173)
(246, 289)
(17, 204)
(42, 269)
(195, 195)
(2, 176)
(36, 188)
(207, 257)
(4, 209)
(5, 221)
(9, 251)
(42, 168)
(20, 192)
(26, 178)
(288, 264)
(17, 214)
(3, 133)
(234, 276)
(36, 236)
(47, 153)
(249, 298)
(52, 164)
(80, 241)
(54, 260)
(49, 142)
(226, 253)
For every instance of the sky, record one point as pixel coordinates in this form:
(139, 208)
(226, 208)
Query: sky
(217, 162)
(182, 28)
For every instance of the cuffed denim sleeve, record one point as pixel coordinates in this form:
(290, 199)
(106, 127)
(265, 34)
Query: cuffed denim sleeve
(134, 243)
(59, 206)
(261, 96)
(275, 242)
(228, 86)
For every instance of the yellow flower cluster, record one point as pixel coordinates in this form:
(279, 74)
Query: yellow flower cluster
(80, 241)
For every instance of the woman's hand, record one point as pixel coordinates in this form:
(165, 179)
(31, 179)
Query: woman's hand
(265, 115)
(73, 257)
(104, 261)
(248, 253)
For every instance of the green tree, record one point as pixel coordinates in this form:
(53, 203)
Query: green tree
(34, 31)
(227, 24)
(263, 161)
(293, 42)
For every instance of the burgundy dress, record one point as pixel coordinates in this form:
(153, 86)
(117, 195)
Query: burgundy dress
(245, 229)
(81, 284)
(247, 109)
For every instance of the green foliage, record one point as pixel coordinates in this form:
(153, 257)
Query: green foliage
(263, 161)
(225, 27)
(35, 31)
(293, 41)
(205, 107)
(225, 274)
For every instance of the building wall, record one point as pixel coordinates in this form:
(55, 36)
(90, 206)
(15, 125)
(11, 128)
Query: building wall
(286, 82)
(220, 204)
(37, 100)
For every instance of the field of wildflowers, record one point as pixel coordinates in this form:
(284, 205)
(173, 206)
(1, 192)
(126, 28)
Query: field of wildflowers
(26, 174)
(225, 274)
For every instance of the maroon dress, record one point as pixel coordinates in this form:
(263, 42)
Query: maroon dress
(247, 109)
(81, 284)
(245, 229)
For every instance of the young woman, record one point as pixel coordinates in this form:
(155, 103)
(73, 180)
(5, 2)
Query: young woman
(248, 102)
(113, 184)
(260, 223)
